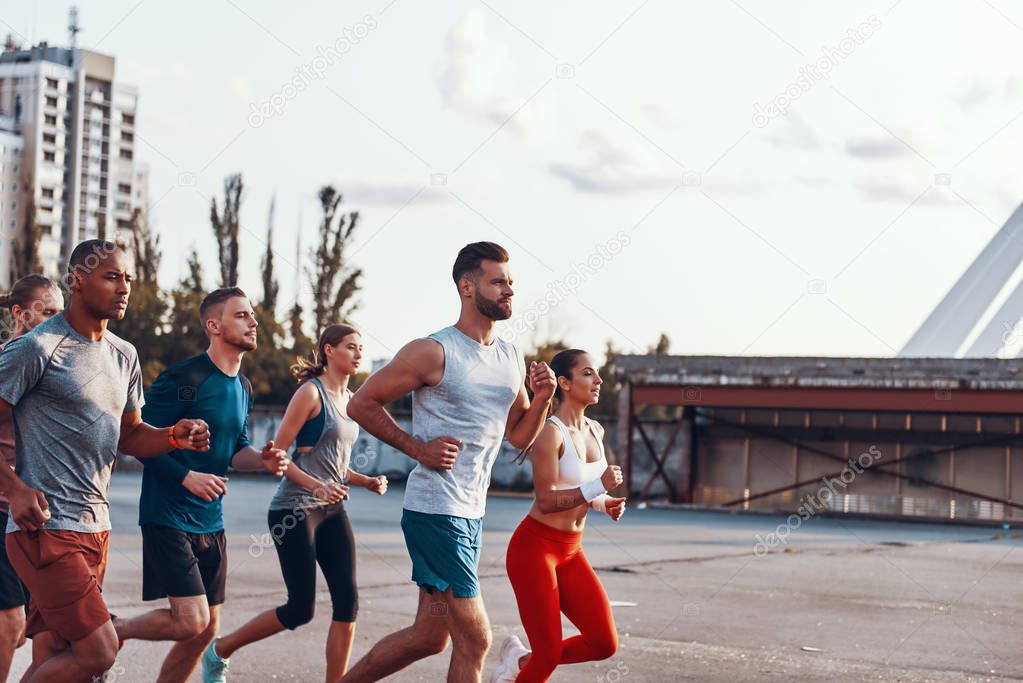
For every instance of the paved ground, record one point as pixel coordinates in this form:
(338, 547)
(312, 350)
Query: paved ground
(872, 601)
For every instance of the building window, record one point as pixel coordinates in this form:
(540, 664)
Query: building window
(126, 153)
(124, 188)
(127, 118)
(127, 137)
(49, 156)
(50, 119)
(52, 83)
(48, 193)
(50, 138)
(51, 101)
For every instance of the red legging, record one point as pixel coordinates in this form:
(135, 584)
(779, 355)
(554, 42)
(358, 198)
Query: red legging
(550, 575)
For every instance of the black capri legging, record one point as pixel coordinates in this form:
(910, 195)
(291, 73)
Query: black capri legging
(302, 538)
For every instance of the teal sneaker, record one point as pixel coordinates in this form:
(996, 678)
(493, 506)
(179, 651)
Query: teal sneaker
(214, 667)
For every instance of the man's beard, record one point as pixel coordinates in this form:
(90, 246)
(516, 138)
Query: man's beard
(490, 308)
(242, 343)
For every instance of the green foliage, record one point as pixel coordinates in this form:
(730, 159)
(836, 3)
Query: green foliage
(333, 279)
(165, 326)
(225, 224)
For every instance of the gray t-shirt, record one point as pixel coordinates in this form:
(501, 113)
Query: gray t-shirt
(470, 403)
(68, 394)
(327, 461)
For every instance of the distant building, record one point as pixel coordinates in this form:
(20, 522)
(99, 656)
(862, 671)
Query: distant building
(77, 165)
(905, 437)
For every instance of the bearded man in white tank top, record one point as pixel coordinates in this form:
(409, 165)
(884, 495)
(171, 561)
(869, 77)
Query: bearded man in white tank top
(469, 393)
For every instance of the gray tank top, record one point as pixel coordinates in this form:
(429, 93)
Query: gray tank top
(470, 403)
(327, 461)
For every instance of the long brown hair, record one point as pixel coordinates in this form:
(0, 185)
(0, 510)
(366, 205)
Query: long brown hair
(305, 369)
(25, 290)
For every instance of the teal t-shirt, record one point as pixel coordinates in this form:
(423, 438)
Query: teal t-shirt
(194, 388)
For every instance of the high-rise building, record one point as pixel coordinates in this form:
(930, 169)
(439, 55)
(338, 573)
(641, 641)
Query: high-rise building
(11, 209)
(77, 166)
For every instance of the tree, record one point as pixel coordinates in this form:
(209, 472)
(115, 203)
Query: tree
(225, 225)
(545, 351)
(333, 280)
(662, 346)
(189, 339)
(268, 367)
(301, 344)
(144, 324)
(608, 404)
(270, 286)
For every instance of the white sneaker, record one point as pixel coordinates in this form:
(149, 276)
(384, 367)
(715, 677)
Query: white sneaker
(512, 650)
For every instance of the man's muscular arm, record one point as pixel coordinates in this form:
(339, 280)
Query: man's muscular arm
(420, 363)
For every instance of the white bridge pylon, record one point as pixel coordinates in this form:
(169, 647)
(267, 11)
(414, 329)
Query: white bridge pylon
(959, 315)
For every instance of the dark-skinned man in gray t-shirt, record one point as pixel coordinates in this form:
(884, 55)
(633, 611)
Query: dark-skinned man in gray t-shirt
(75, 391)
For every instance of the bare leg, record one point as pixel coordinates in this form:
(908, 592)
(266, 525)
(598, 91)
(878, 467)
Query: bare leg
(12, 635)
(88, 657)
(339, 648)
(470, 637)
(45, 645)
(184, 655)
(185, 619)
(257, 628)
(428, 635)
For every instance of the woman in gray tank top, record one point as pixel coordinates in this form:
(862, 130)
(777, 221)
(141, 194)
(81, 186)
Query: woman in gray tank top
(307, 519)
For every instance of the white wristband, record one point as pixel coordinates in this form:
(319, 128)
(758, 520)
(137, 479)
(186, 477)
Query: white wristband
(600, 503)
(591, 489)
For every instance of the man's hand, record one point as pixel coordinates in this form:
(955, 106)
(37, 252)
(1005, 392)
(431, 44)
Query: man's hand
(612, 477)
(615, 508)
(275, 461)
(193, 435)
(541, 381)
(439, 454)
(29, 508)
(331, 492)
(377, 485)
(207, 486)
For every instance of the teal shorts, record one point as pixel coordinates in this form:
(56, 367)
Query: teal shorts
(445, 551)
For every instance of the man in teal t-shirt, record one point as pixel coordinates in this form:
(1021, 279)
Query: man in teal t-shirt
(180, 511)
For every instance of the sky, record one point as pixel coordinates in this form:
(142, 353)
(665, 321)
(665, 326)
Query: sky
(750, 178)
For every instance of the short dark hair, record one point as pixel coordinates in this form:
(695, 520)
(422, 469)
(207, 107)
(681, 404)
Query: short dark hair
(86, 255)
(217, 297)
(471, 255)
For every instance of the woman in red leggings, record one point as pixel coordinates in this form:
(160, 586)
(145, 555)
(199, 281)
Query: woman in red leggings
(546, 564)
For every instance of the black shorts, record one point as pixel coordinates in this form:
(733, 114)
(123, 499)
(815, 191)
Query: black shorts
(12, 591)
(179, 564)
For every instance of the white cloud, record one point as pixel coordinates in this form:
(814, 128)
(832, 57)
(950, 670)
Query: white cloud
(875, 148)
(794, 132)
(360, 193)
(478, 78)
(608, 167)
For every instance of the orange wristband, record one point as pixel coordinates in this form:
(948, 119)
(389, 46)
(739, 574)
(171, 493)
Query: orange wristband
(173, 442)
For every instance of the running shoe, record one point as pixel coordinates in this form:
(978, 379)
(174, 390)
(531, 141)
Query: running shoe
(512, 650)
(214, 667)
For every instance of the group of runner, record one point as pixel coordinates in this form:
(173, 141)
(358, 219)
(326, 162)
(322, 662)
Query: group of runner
(71, 399)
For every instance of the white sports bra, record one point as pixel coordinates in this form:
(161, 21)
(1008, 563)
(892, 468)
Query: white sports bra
(573, 470)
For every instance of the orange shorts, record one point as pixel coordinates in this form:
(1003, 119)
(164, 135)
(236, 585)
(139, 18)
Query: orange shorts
(63, 571)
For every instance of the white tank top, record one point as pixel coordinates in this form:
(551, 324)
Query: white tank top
(470, 403)
(573, 470)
